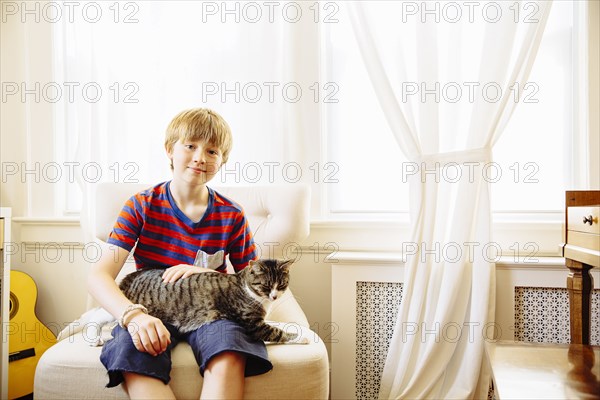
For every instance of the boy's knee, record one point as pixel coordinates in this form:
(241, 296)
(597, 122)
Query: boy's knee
(133, 380)
(226, 363)
(146, 387)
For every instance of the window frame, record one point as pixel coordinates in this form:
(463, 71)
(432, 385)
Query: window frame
(522, 233)
(522, 226)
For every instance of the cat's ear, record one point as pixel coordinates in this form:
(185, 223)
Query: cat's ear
(285, 264)
(254, 265)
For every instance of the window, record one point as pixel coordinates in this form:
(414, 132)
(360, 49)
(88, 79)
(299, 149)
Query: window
(239, 56)
(531, 165)
(143, 62)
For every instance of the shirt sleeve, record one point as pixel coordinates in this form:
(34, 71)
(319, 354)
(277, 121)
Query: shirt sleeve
(128, 226)
(241, 247)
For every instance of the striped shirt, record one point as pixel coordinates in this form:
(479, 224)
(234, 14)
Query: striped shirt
(165, 236)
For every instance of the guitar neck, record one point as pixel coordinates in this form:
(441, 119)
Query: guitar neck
(21, 354)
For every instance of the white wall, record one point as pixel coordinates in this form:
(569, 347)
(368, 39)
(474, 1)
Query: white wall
(594, 91)
(27, 137)
(27, 143)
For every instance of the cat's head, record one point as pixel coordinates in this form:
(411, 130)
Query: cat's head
(268, 278)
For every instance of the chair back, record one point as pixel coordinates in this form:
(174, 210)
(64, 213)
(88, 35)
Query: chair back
(278, 215)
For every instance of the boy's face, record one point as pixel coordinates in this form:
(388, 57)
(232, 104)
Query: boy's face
(195, 162)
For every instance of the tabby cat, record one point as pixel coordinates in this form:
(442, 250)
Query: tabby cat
(201, 298)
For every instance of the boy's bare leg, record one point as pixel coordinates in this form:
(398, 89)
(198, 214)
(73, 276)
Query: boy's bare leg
(146, 387)
(224, 377)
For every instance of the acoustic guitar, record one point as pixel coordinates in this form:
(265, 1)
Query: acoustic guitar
(28, 338)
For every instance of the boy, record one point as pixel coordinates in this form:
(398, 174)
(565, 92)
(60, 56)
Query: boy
(168, 224)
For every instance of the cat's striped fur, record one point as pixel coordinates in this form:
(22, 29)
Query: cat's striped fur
(201, 298)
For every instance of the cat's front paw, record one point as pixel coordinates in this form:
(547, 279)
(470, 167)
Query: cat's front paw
(302, 340)
(288, 332)
(296, 338)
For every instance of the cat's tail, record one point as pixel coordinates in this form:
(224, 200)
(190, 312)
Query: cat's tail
(90, 324)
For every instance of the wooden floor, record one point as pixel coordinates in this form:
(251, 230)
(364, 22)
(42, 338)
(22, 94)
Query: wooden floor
(544, 371)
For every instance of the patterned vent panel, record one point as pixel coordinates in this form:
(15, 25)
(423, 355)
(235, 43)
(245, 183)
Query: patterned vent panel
(376, 312)
(542, 315)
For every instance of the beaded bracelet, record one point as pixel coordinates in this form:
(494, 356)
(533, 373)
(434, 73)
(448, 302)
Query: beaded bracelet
(129, 309)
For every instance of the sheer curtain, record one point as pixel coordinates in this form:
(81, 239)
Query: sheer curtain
(444, 85)
(155, 59)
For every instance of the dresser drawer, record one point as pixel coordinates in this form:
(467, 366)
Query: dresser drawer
(584, 219)
(584, 240)
(583, 228)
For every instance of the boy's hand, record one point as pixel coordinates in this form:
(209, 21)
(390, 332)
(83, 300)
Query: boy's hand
(176, 272)
(148, 333)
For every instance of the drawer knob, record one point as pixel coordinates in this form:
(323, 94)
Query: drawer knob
(588, 220)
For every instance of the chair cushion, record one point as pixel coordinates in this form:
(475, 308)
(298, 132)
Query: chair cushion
(71, 369)
(279, 218)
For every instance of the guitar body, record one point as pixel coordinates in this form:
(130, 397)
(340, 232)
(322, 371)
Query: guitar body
(28, 338)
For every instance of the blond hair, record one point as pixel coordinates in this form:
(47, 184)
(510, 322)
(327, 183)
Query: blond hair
(200, 124)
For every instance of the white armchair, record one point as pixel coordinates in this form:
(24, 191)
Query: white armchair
(278, 215)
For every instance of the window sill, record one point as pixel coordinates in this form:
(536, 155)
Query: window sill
(539, 239)
(396, 259)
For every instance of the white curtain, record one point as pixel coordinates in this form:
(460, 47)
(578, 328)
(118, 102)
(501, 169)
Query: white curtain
(155, 59)
(445, 89)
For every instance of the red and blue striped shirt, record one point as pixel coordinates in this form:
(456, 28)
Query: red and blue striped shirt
(165, 236)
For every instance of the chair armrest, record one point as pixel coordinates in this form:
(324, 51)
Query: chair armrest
(287, 309)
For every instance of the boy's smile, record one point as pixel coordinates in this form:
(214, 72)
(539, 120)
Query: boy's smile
(194, 160)
(197, 170)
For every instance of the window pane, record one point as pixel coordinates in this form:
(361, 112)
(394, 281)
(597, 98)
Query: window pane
(359, 138)
(533, 150)
(531, 156)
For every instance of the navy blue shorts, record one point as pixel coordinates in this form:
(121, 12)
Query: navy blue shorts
(120, 355)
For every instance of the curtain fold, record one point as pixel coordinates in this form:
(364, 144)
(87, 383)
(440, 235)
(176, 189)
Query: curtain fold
(254, 74)
(447, 310)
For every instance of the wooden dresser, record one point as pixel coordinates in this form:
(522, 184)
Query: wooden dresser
(544, 370)
(581, 251)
